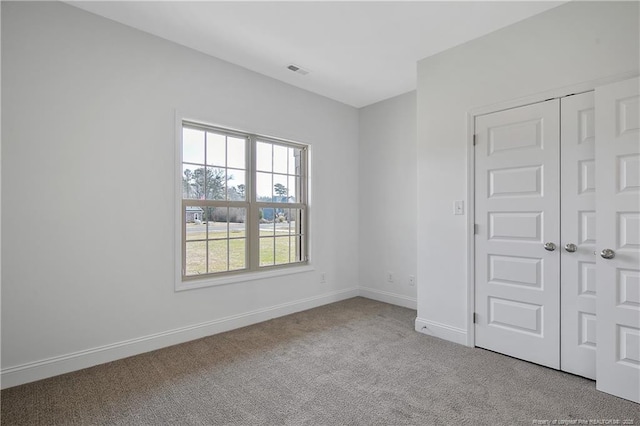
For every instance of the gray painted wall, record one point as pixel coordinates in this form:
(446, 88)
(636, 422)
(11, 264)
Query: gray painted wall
(574, 43)
(88, 135)
(387, 199)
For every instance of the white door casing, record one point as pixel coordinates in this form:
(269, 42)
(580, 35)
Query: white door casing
(578, 227)
(618, 216)
(517, 209)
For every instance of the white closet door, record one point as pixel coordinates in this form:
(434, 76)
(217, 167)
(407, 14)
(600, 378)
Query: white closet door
(517, 211)
(618, 215)
(578, 236)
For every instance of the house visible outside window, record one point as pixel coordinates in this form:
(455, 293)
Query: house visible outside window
(244, 202)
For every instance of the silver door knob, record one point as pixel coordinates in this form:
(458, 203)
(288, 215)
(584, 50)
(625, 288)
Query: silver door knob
(571, 248)
(608, 254)
(549, 246)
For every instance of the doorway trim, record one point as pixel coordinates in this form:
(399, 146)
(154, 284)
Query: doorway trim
(471, 115)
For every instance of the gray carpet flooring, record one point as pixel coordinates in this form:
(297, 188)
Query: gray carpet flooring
(356, 362)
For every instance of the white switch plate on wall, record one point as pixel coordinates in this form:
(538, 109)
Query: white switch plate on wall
(458, 207)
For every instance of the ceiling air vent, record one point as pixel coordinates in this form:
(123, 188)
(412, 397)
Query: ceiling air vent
(297, 69)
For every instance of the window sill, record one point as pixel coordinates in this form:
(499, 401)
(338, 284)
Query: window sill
(242, 277)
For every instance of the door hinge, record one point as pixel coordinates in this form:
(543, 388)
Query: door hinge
(475, 318)
(475, 229)
(474, 140)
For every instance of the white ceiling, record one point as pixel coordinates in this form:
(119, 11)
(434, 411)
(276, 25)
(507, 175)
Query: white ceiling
(358, 53)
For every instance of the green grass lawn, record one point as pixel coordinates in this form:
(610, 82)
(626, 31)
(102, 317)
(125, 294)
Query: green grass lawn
(230, 257)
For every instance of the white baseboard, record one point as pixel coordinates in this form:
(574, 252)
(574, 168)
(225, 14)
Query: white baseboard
(388, 297)
(443, 331)
(30, 372)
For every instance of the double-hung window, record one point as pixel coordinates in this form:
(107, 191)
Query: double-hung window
(244, 202)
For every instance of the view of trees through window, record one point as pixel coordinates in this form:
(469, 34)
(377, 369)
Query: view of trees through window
(241, 202)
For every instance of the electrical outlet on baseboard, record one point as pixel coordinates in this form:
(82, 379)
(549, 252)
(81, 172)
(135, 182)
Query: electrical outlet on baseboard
(323, 277)
(390, 276)
(412, 280)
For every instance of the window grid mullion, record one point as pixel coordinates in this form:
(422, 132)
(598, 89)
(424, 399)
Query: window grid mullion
(274, 219)
(304, 190)
(248, 185)
(205, 197)
(226, 173)
(228, 244)
(184, 239)
(254, 249)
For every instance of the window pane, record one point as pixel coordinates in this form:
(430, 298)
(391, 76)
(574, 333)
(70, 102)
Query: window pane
(264, 184)
(280, 191)
(282, 250)
(266, 251)
(217, 224)
(218, 256)
(297, 242)
(293, 249)
(192, 182)
(192, 146)
(237, 222)
(237, 254)
(196, 261)
(235, 185)
(281, 223)
(216, 151)
(266, 221)
(216, 183)
(195, 228)
(235, 153)
(294, 221)
(263, 156)
(293, 195)
(292, 160)
(288, 216)
(279, 159)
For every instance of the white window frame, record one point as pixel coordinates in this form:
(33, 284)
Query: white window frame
(253, 270)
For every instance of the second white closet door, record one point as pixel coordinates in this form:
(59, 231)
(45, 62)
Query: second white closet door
(578, 236)
(618, 260)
